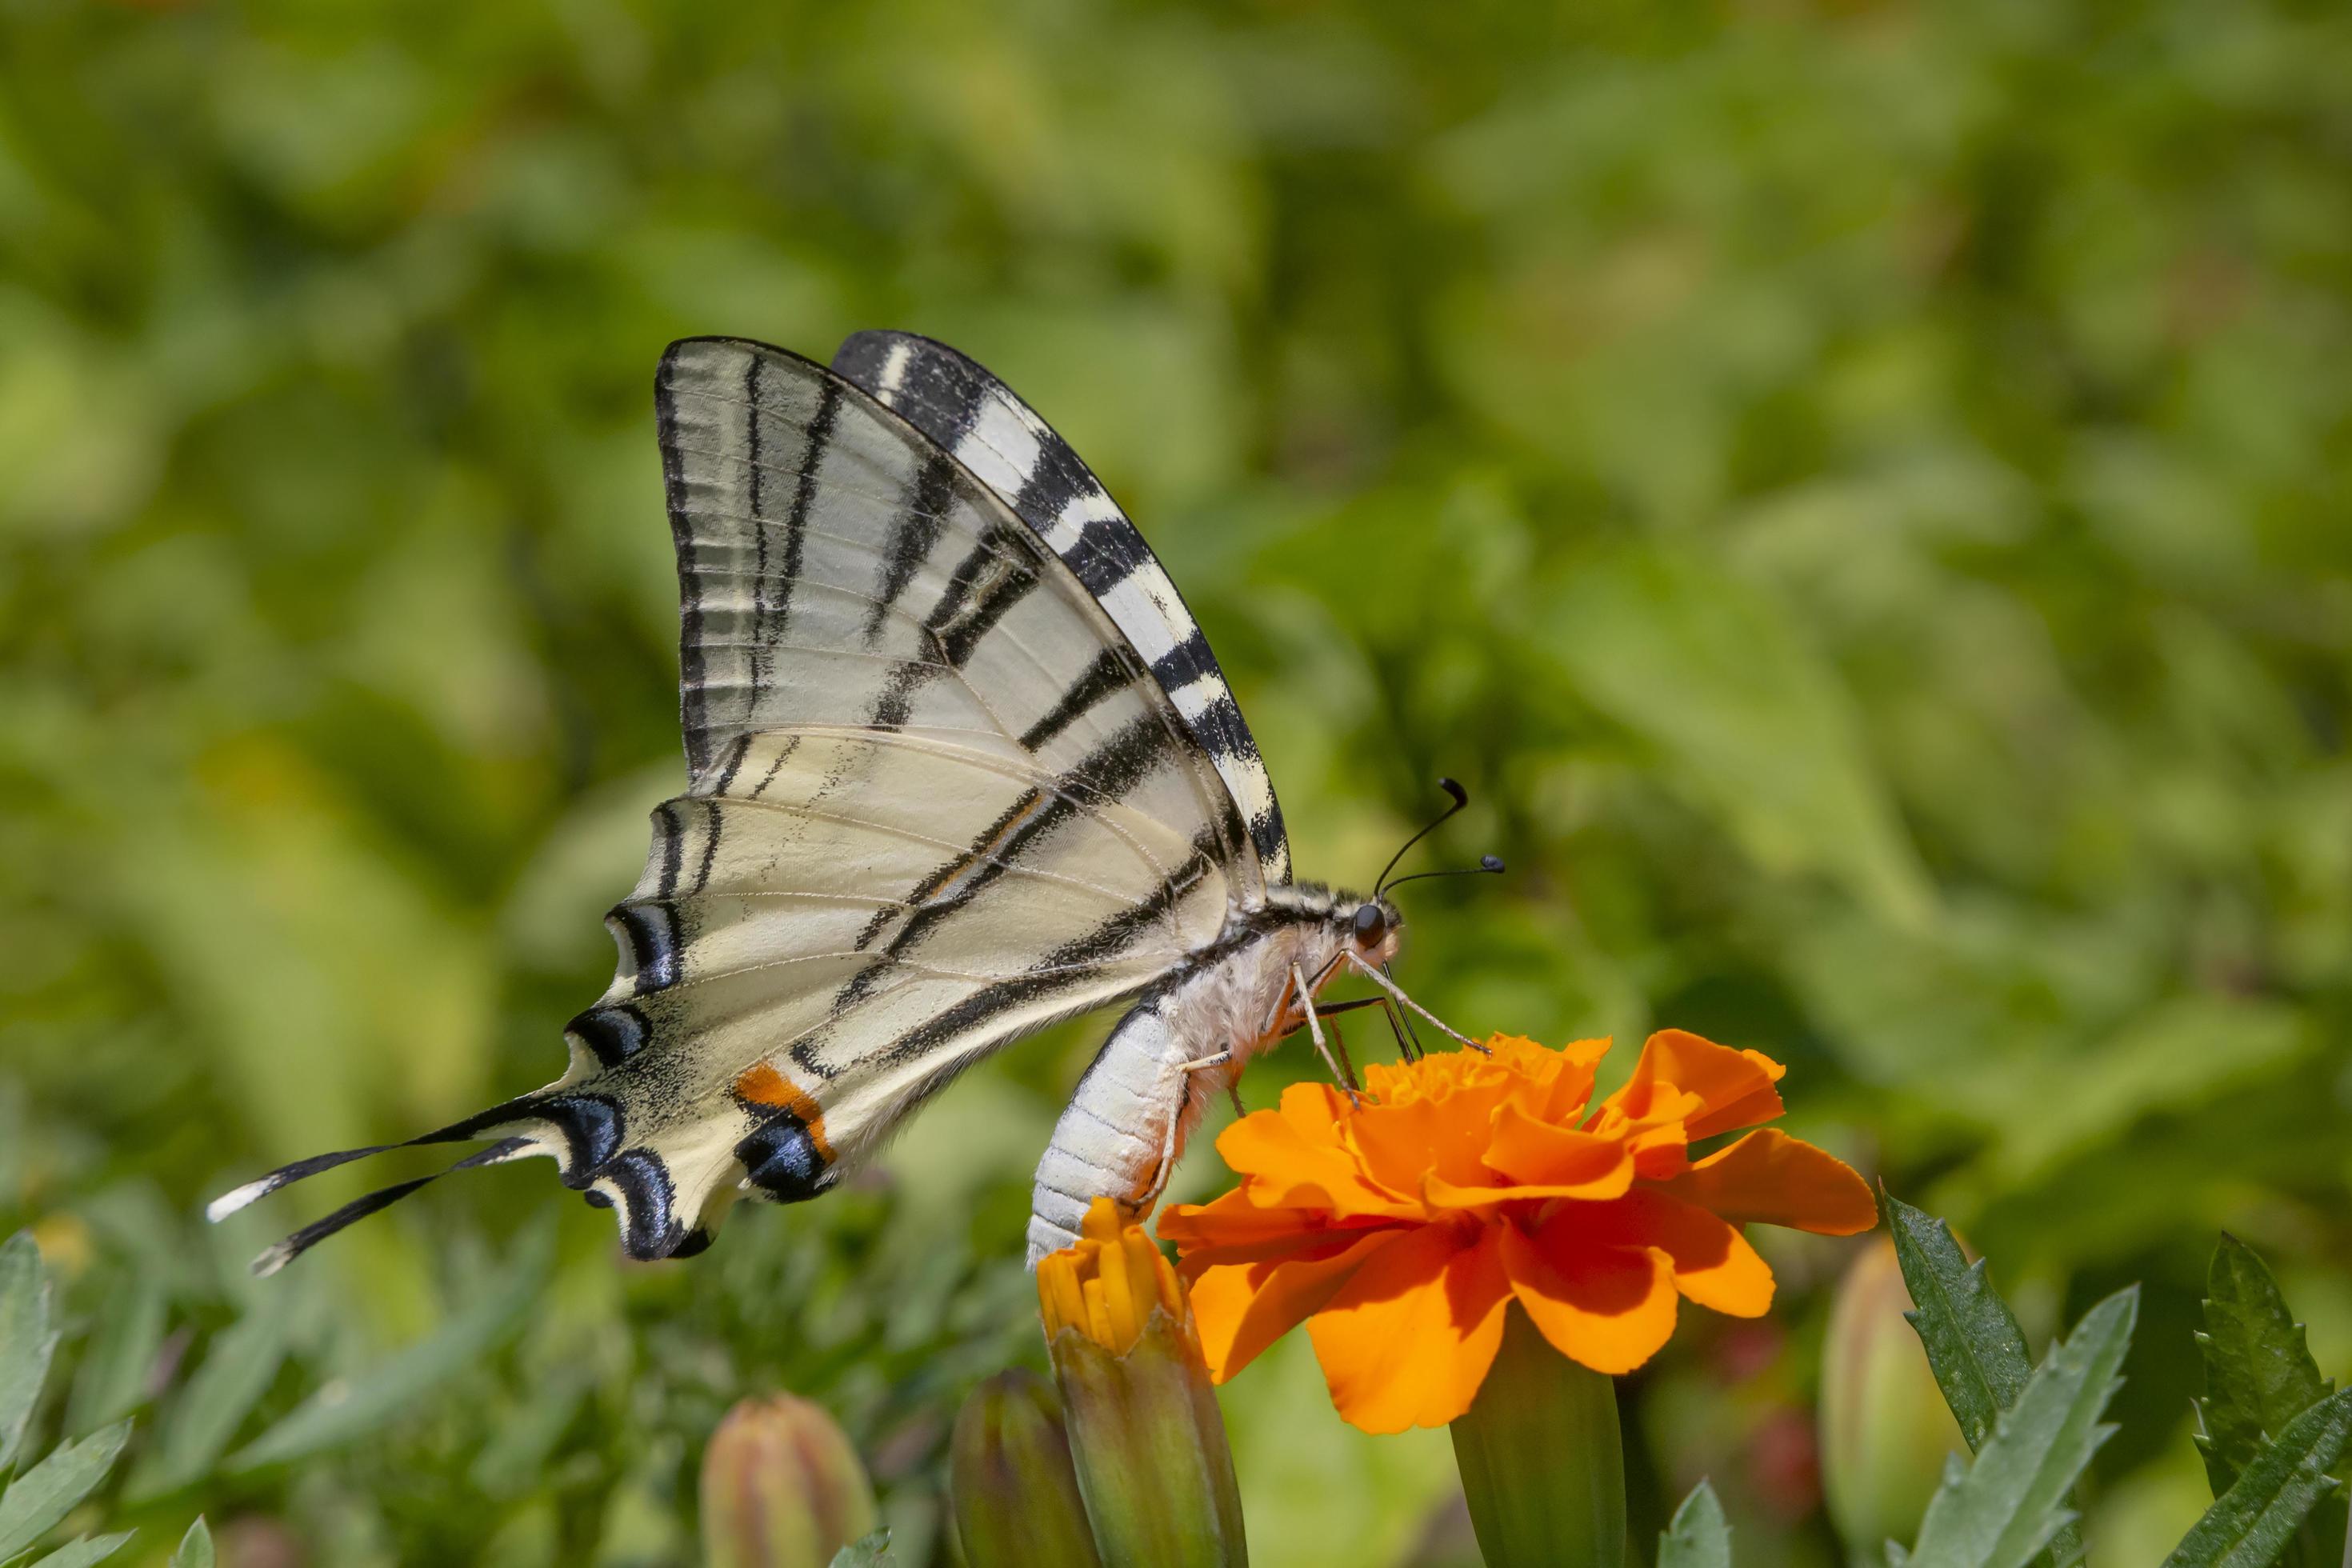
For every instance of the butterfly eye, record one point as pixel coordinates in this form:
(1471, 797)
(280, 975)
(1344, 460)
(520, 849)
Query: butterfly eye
(1372, 924)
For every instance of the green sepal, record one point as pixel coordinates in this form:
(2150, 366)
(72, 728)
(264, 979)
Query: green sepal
(1542, 1461)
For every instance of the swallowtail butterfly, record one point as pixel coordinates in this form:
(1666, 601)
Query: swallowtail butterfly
(960, 764)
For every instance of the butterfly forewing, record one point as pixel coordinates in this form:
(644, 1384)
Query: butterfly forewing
(936, 798)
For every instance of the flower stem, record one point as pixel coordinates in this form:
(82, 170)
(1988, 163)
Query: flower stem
(1543, 1466)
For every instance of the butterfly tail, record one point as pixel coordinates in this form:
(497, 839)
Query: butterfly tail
(278, 1257)
(479, 1125)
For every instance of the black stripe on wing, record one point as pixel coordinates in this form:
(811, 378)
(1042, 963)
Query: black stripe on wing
(971, 413)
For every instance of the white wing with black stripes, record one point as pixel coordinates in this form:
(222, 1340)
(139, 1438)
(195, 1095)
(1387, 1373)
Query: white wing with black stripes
(1003, 442)
(940, 792)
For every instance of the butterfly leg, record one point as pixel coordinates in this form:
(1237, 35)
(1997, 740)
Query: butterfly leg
(1314, 1031)
(1393, 989)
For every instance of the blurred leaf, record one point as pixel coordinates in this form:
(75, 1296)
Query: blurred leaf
(1971, 1337)
(37, 1500)
(120, 1355)
(81, 1554)
(26, 1340)
(2273, 1494)
(2005, 1506)
(238, 1368)
(195, 1549)
(346, 1409)
(1746, 715)
(1698, 1537)
(872, 1550)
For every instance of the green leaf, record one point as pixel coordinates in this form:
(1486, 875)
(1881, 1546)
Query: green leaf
(2259, 1375)
(1697, 1538)
(866, 1551)
(349, 1409)
(2255, 1521)
(236, 1371)
(89, 1549)
(2007, 1506)
(26, 1340)
(1972, 1338)
(1973, 1343)
(116, 1363)
(45, 1494)
(196, 1547)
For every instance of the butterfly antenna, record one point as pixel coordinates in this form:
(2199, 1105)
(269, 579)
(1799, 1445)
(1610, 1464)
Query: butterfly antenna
(1461, 798)
(1487, 865)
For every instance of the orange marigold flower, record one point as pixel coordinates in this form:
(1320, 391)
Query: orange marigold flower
(1399, 1230)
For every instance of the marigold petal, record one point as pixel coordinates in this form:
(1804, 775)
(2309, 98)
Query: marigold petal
(1608, 1306)
(1301, 1162)
(1409, 1340)
(1529, 1152)
(1241, 1309)
(1713, 1264)
(1734, 1087)
(1401, 1144)
(1771, 1178)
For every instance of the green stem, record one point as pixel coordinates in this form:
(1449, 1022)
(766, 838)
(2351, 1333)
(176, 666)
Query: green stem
(1542, 1465)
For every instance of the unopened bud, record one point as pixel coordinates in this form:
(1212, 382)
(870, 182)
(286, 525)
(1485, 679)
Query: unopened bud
(1884, 1427)
(782, 1487)
(1146, 1440)
(1014, 1487)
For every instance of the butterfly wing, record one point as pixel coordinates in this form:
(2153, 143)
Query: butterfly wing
(1003, 442)
(936, 799)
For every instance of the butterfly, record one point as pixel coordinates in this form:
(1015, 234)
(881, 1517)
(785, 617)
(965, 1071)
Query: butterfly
(960, 764)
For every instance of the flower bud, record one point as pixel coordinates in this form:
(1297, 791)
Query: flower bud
(782, 1487)
(1542, 1461)
(1015, 1490)
(1884, 1427)
(1145, 1433)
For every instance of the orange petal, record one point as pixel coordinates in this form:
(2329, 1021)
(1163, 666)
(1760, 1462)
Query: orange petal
(1734, 1087)
(1243, 1309)
(1608, 1306)
(1713, 1264)
(1234, 1230)
(1409, 1340)
(1401, 1144)
(1533, 1153)
(1771, 1178)
(1290, 1162)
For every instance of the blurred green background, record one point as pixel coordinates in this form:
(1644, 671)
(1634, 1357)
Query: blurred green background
(1857, 490)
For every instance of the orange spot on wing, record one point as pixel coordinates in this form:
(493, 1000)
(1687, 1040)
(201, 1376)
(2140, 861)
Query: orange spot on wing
(762, 1085)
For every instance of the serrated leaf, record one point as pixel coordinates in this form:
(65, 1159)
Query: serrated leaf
(865, 1551)
(36, 1500)
(2010, 1502)
(2276, 1492)
(2259, 1375)
(236, 1371)
(89, 1549)
(1973, 1344)
(115, 1364)
(345, 1409)
(1697, 1537)
(26, 1340)
(195, 1549)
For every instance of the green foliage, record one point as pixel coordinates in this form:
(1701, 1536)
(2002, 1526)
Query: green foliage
(2001, 1510)
(1971, 1337)
(195, 1548)
(2254, 1522)
(865, 1551)
(26, 1340)
(2259, 1377)
(1697, 1537)
(39, 1497)
(1854, 491)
